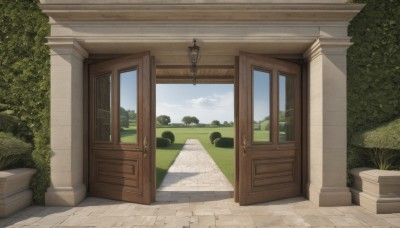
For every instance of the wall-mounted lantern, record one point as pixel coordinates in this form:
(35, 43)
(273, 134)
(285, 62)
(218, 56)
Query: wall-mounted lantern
(193, 54)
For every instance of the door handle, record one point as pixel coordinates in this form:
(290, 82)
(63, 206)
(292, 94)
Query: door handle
(244, 146)
(145, 147)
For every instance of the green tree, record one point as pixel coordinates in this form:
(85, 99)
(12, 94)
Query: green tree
(226, 124)
(190, 120)
(195, 120)
(132, 115)
(163, 119)
(123, 118)
(187, 120)
(215, 123)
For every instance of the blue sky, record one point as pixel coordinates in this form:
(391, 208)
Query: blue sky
(206, 102)
(128, 95)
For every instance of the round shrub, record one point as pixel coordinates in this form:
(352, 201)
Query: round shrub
(214, 135)
(224, 142)
(12, 150)
(168, 135)
(163, 142)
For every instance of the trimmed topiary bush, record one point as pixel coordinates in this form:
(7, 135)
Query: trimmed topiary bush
(383, 143)
(214, 135)
(169, 135)
(163, 142)
(224, 142)
(12, 150)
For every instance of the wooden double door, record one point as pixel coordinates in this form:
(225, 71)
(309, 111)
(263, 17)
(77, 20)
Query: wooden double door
(122, 129)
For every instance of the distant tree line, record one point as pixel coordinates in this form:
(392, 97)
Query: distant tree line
(165, 120)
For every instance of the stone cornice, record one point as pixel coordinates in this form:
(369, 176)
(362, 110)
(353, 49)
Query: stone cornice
(327, 46)
(200, 12)
(67, 46)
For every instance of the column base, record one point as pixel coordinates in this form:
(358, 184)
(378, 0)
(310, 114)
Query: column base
(65, 196)
(329, 196)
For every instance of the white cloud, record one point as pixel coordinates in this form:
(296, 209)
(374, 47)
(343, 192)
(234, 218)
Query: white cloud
(207, 108)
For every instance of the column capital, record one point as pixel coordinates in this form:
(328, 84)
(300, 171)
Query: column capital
(66, 46)
(334, 46)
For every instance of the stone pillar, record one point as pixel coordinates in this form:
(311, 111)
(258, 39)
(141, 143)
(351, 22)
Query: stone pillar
(327, 122)
(67, 188)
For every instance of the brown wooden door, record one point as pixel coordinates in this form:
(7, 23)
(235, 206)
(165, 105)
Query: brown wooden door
(120, 129)
(269, 129)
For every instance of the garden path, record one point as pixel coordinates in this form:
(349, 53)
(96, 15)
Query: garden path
(194, 170)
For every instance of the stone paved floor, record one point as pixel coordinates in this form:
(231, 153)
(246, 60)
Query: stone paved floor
(197, 208)
(194, 170)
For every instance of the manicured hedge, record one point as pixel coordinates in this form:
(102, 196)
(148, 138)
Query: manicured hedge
(169, 135)
(224, 142)
(25, 79)
(214, 135)
(162, 142)
(373, 65)
(373, 71)
(386, 136)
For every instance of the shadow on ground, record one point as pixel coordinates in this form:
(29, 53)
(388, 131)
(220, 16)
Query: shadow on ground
(192, 196)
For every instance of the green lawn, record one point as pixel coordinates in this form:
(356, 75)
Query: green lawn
(223, 157)
(128, 134)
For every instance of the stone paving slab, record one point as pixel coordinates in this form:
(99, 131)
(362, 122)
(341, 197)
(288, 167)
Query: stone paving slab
(194, 170)
(198, 209)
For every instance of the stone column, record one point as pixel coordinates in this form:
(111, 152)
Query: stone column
(327, 122)
(67, 188)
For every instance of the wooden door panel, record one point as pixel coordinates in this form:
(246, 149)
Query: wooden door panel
(270, 148)
(122, 171)
(121, 161)
(269, 172)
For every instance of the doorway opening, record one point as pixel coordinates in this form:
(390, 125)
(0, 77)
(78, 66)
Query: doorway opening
(195, 140)
(268, 121)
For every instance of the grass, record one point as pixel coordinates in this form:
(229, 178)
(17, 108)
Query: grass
(261, 136)
(128, 134)
(223, 157)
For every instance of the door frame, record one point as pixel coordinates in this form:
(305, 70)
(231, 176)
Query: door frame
(304, 81)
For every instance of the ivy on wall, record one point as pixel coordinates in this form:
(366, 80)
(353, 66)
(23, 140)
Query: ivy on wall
(25, 78)
(373, 71)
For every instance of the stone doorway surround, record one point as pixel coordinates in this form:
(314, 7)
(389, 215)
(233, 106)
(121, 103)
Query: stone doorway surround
(315, 30)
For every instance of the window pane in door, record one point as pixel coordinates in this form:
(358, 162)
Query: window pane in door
(128, 106)
(286, 108)
(261, 106)
(103, 115)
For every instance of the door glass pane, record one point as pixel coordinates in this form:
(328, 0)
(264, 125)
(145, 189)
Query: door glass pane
(261, 106)
(128, 106)
(103, 108)
(286, 108)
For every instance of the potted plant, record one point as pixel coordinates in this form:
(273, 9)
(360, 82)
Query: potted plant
(14, 180)
(378, 188)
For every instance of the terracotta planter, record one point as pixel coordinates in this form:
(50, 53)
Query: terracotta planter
(376, 190)
(14, 190)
